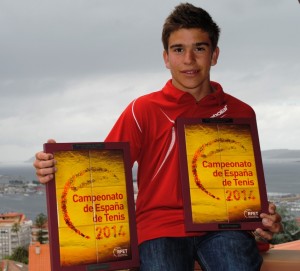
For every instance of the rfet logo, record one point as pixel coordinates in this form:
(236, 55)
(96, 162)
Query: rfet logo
(248, 213)
(120, 252)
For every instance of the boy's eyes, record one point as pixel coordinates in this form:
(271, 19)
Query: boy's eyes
(196, 49)
(199, 49)
(178, 50)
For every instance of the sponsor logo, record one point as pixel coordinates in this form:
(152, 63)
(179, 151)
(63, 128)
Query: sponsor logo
(219, 113)
(120, 252)
(248, 213)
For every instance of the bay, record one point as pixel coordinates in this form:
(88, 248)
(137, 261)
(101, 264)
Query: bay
(281, 176)
(31, 205)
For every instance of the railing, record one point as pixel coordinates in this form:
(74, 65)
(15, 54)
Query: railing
(278, 260)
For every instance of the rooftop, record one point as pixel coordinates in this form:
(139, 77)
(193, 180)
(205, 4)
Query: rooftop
(39, 257)
(13, 266)
(11, 218)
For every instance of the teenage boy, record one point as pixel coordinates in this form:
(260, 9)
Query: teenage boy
(190, 39)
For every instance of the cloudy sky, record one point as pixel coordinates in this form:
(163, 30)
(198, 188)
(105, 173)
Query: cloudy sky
(69, 67)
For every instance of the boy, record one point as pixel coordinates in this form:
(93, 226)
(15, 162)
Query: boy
(190, 39)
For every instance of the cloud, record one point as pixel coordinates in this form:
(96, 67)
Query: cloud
(69, 68)
(65, 38)
(278, 125)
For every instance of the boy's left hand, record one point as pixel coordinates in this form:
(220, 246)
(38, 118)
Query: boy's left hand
(271, 221)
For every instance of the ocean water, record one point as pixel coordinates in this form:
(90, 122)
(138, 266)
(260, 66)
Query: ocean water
(31, 205)
(281, 176)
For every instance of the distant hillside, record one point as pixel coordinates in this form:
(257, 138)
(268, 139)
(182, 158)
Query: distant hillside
(30, 160)
(281, 154)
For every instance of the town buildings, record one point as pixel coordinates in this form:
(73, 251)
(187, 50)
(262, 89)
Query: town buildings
(14, 232)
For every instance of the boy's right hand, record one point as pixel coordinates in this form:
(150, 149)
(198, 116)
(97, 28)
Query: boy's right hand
(45, 165)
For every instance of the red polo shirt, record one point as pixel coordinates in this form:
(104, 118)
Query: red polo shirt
(149, 125)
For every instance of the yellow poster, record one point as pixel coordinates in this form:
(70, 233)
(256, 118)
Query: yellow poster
(224, 185)
(92, 207)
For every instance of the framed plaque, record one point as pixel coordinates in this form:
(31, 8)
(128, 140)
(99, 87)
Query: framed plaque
(222, 174)
(91, 207)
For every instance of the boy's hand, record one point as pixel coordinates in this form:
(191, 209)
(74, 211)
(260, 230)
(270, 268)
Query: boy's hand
(45, 165)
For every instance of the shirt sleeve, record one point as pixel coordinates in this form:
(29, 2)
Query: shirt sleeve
(127, 129)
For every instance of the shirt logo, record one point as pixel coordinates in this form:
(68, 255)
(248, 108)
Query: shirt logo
(219, 113)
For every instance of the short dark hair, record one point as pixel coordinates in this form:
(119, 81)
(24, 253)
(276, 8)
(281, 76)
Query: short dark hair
(186, 15)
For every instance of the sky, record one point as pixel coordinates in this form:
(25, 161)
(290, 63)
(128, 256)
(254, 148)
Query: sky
(68, 68)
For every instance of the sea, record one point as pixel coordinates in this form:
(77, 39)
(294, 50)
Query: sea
(282, 176)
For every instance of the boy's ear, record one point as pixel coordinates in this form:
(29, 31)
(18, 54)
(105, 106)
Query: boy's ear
(166, 59)
(215, 56)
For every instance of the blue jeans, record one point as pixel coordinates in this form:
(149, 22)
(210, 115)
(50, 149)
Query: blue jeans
(216, 251)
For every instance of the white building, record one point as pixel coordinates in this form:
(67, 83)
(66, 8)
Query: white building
(14, 232)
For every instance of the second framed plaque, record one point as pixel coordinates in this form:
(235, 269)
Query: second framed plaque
(222, 174)
(91, 207)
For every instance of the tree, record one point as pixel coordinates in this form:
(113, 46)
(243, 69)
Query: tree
(291, 228)
(20, 254)
(16, 229)
(40, 221)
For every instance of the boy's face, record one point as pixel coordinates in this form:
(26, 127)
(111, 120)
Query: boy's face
(189, 59)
